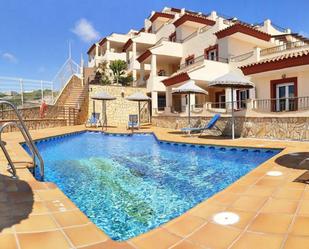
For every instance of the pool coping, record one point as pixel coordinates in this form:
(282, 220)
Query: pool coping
(168, 231)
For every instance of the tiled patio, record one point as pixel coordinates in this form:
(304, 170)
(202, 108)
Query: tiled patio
(273, 211)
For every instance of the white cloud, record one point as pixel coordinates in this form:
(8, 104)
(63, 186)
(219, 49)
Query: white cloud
(85, 31)
(9, 57)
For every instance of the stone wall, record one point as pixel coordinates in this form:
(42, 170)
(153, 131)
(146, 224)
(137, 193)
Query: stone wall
(35, 124)
(118, 110)
(56, 116)
(291, 128)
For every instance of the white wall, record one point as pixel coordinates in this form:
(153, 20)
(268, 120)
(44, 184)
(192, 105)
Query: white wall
(262, 83)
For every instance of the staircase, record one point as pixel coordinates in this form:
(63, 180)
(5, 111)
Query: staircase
(73, 99)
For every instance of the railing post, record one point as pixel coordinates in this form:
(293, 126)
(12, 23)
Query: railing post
(42, 91)
(21, 92)
(52, 91)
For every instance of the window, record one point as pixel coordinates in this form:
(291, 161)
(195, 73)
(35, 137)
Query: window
(190, 60)
(212, 53)
(161, 102)
(242, 97)
(284, 94)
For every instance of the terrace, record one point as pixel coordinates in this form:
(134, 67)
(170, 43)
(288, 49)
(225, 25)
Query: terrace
(272, 210)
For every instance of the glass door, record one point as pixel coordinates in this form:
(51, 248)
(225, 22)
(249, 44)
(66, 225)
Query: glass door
(285, 94)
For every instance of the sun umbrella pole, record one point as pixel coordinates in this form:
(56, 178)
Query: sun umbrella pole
(139, 113)
(189, 101)
(233, 121)
(103, 111)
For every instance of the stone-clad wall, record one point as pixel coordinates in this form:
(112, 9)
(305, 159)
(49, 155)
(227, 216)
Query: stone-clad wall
(292, 128)
(117, 110)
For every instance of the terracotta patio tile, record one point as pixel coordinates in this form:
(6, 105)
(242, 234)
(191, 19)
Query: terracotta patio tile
(8, 241)
(36, 223)
(300, 226)
(257, 190)
(249, 203)
(271, 223)
(294, 185)
(205, 210)
(83, 235)
(288, 193)
(51, 194)
(294, 242)
(37, 208)
(225, 198)
(214, 236)
(270, 182)
(258, 241)
(45, 240)
(304, 208)
(70, 218)
(244, 217)
(60, 205)
(248, 180)
(280, 206)
(110, 244)
(158, 238)
(237, 188)
(186, 245)
(184, 225)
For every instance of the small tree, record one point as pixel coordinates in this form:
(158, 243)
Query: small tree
(118, 68)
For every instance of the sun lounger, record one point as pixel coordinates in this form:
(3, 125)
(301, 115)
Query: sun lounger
(209, 126)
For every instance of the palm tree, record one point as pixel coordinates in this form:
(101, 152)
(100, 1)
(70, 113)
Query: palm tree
(102, 71)
(118, 68)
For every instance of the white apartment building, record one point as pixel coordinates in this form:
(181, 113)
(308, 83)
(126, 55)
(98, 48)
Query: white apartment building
(176, 45)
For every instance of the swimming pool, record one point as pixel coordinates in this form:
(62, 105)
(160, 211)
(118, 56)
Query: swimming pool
(128, 185)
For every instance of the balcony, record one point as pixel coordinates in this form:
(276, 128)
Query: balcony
(283, 48)
(199, 61)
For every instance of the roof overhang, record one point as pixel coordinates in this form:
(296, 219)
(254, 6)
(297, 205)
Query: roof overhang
(245, 29)
(91, 48)
(181, 77)
(127, 45)
(144, 56)
(278, 64)
(193, 18)
(102, 41)
(156, 15)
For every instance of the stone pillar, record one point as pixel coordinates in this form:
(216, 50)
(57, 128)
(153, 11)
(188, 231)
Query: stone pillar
(133, 52)
(97, 49)
(108, 46)
(192, 101)
(257, 54)
(134, 77)
(168, 99)
(153, 65)
(142, 72)
(154, 102)
(228, 98)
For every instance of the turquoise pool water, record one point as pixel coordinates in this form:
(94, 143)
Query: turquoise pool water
(128, 185)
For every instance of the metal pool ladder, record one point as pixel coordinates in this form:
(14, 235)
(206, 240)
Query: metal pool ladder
(19, 123)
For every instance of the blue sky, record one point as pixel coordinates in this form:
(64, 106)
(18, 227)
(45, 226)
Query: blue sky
(34, 34)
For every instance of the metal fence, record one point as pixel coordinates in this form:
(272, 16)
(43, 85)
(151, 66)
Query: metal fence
(31, 92)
